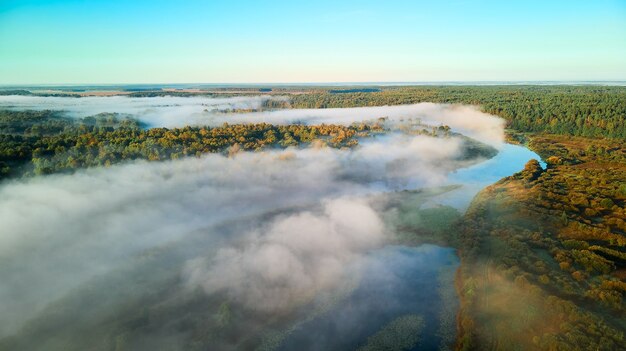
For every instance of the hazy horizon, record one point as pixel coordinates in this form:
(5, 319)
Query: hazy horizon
(355, 175)
(617, 82)
(281, 42)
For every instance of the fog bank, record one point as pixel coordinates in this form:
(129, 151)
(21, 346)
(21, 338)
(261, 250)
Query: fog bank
(60, 230)
(310, 214)
(161, 111)
(467, 120)
(294, 258)
(172, 112)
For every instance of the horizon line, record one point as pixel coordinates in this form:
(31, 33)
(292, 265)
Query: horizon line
(381, 83)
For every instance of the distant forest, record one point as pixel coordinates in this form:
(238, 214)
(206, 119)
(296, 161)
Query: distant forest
(44, 142)
(590, 111)
(543, 251)
(585, 110)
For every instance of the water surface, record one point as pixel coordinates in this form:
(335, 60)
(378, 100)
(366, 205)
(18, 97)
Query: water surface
(396, 281)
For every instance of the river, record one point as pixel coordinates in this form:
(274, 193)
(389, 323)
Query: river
(401, 280)
(126, 236)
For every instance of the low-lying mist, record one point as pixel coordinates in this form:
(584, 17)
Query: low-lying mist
(59, 230)
(162, 111)
(183, 111)
(311, 208)
(293, 258)
(467, 120)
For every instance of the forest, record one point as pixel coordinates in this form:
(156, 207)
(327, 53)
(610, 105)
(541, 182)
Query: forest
(584, 110)
(592, 111)
(43, 142)
(543, 251)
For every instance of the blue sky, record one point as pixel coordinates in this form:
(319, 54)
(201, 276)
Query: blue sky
(51, 42)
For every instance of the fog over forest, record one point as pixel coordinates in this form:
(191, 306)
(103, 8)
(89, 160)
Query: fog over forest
(172, 112)
(312, 176)
(314, 213)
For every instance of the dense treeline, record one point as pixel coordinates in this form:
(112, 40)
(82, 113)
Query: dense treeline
(164, 93)
(592, 111)
(43, 143)
(544, 252)
(15, 92)
(28, 92)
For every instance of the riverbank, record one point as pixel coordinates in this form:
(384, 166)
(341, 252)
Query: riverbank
(542, 253)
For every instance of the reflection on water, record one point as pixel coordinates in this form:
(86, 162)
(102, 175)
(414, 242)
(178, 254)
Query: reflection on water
(509, 160)
(397, 281)
(401, 280)
(150, 220)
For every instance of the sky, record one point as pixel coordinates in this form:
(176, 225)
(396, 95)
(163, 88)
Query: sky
(160, 41)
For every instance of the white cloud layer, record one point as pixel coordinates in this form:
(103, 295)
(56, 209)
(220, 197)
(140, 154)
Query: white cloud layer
(60, 231)
(294, 258)
(182, 111)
